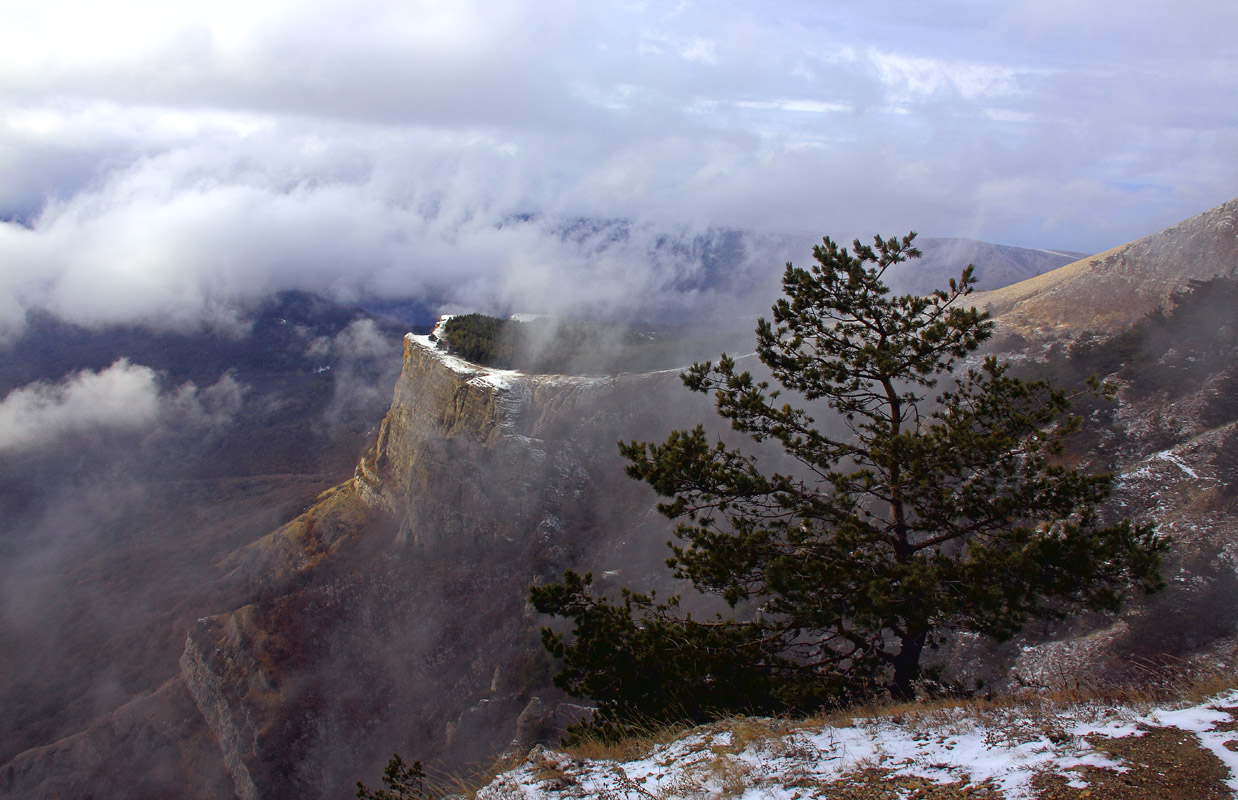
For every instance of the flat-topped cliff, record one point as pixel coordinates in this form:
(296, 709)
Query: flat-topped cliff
(444, 408)
(392, 615)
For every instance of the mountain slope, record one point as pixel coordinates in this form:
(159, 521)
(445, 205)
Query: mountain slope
(1111, 290)
(391, 616)
(996, 265)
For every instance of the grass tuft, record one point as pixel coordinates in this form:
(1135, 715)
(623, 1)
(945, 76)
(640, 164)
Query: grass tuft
(640, 739)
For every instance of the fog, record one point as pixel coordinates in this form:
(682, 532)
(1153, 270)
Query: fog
(123, 397)
(366, 361)
(122, 488)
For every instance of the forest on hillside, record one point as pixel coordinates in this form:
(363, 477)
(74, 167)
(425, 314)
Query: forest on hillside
(553, 345)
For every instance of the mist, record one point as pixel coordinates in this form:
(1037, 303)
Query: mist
(123, 485)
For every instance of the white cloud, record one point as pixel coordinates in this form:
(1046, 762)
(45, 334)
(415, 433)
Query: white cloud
(365, 363)
(806, 106)
(161, 164)
(909, 79)
(124, 396)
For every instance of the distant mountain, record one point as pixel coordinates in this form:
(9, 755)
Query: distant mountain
(746, 263)
(996, 265)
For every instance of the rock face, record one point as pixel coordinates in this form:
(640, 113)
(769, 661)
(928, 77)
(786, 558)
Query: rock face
(391, 615)
(152, 747)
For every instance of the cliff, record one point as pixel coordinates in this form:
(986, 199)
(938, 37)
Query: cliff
(391, 615)
(523, 437)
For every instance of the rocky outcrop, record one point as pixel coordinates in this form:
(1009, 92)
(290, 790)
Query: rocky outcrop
(151, 748)
(210, 677)
(391, 616)
(528, 439)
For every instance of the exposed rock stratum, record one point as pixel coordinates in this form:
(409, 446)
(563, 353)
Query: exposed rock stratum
(391, 615)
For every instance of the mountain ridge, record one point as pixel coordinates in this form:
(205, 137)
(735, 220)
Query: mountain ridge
(391, 614)
(1113, 289)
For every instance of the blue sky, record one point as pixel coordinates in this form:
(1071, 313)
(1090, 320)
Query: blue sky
(158, 160)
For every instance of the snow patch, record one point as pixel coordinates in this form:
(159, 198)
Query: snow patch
(439, 326)
(487, 376)
(944, 746)
(1148, 467)
(1176, 460)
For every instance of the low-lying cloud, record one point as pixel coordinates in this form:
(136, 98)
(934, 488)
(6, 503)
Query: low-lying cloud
(124, 397)
(160, 245)
(366, 364)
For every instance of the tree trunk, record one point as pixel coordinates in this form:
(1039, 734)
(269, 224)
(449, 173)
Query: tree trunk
(907, 666)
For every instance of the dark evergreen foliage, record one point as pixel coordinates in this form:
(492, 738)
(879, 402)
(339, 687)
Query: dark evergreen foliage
(573, 347)
(478, 338)
(400, 781)
(646, 656)
(941, 509)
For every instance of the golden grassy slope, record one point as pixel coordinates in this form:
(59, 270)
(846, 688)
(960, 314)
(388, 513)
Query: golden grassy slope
(1113, 289)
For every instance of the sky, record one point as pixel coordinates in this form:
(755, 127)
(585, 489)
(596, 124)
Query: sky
(160, 162)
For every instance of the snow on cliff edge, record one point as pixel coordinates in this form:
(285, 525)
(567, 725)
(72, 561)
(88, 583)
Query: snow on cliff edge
(1006, 752)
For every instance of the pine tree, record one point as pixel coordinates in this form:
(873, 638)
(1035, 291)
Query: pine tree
(400, 782)
(939, 509)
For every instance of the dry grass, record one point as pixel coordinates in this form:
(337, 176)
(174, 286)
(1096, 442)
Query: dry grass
(441, 783)
(644, 738)
(722, 773)
(776, 737)
(729, 774)
(1172, 684)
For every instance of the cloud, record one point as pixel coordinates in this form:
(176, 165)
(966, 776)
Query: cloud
(162, 166)
(204, 410)
(365, 364)
(125, 397)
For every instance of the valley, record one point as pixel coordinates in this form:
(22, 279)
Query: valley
(336, 576)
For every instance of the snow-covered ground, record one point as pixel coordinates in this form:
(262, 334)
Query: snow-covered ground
(1000, 750)
(501, 379)
(487, 376)
(497, 378)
